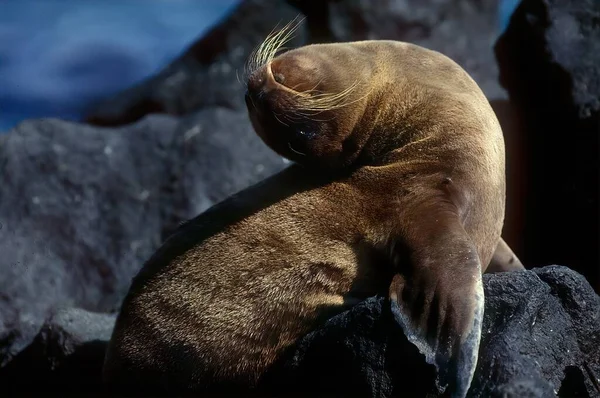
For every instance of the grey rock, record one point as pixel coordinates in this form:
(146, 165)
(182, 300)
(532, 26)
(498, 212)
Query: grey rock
(66, 355)
(80, 207)
(549, 60)
(219, 154)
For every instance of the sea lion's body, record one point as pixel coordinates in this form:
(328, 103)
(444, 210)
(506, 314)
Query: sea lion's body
(416, 213)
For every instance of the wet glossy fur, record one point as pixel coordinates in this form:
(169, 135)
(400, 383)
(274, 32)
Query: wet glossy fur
(414, 210)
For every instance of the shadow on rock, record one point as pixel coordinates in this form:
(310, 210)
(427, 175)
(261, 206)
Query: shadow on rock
(65, 357)
(549, 60)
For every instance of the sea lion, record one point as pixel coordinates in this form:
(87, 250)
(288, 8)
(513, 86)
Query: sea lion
(398, 188)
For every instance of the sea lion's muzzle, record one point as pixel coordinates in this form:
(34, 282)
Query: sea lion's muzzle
(264, 94)
(265, 80)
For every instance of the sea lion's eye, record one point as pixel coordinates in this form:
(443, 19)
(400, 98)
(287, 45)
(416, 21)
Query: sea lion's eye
(279, 78)
(305, 133)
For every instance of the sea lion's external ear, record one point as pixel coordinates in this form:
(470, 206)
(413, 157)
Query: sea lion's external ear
(438, 301)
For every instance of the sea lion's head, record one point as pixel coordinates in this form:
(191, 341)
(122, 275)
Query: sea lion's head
(340, 104)
(307, 103)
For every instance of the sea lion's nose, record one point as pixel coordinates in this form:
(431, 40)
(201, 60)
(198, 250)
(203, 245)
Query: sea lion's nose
(285, 73)
(256, 81)
(262, 81)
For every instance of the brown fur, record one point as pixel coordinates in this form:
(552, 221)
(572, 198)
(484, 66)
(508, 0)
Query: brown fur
(400, 192)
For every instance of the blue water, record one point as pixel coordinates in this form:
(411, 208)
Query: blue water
(505, 10)
(59, 56)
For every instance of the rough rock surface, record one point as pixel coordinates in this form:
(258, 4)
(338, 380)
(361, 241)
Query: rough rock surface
(541, 333)
(549, 60)
(541, 336)
(207, 73)
(219, 154)
(80, 209)
(83, 207)
(66, 355)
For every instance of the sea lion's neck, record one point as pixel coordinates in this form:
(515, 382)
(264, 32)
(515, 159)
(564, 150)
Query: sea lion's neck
(390, 126)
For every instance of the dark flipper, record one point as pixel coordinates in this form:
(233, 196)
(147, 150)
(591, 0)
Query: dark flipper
(438, 297)
(504, 259)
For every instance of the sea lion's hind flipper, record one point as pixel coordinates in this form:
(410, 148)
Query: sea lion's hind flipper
(439, 304)
(504, 259)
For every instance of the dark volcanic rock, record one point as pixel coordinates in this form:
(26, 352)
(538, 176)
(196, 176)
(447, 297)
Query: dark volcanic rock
(82, 208)
(219, 154)
(550, 63)
(66, 356)
(540, 328)
(541, 333)
(361, 352)
(550, 52)
(541, 336)
(207, 73)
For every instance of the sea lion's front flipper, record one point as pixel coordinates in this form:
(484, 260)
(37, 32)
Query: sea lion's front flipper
(438, 300)
(504, 259)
